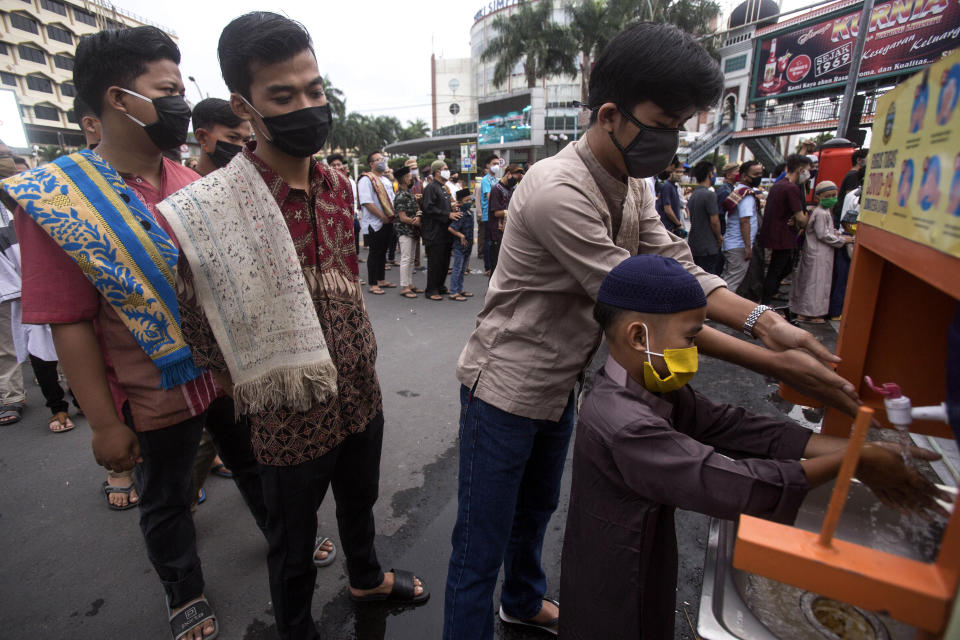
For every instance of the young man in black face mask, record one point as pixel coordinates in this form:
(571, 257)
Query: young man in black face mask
(220, 132)
(575, 216)
(110, 282)
(292, 341)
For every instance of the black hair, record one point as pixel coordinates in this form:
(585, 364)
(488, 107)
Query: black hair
(490, 158)
(607, 314)
(656, 62)
(796, 161)
(259, 36)
(702, 170)
(779, 168)
(858, 155)
(370, 158)
(335, 156)
(115, 58)
(745, 168)
(214, 111)
(81, 109)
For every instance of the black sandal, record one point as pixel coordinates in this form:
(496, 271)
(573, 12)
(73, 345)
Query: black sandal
(192, 616)
(403, 591)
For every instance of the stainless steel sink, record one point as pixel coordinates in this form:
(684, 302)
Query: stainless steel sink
(736, 605)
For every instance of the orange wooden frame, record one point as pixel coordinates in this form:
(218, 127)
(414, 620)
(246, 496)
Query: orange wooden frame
(901, 298)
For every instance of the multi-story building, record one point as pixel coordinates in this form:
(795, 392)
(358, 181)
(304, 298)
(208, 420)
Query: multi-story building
(38, 40)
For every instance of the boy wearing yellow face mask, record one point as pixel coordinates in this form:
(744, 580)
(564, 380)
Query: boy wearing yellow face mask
(647, 443)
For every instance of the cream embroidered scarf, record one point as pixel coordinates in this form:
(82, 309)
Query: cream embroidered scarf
(252, 289)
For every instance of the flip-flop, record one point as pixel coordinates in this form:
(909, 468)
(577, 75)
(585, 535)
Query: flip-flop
(221, 470)
(190, 617)
(466, 294)
(377, 293)
(202, 497)
(331, 556)
(435, 297)
(389, 285)
(63, 419)
(9, 414)
(550, 626)
(108, 489)
(402, 592)
(415, 290)
(456, 297)
(408, 294)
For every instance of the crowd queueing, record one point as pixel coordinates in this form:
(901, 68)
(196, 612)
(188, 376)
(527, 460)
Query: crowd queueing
(756, 238)
(228, 301)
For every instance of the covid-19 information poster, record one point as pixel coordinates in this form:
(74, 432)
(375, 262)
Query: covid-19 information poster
(912, 185)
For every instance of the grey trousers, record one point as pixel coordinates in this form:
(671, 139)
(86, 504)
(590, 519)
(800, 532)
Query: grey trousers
(734, 268)
(11, 378)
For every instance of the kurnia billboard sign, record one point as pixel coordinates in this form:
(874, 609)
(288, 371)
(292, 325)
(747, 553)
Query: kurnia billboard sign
(815, 54)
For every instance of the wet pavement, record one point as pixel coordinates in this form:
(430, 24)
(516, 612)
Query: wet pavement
(72, 569)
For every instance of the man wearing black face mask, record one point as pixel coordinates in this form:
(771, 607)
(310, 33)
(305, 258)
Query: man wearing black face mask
(152, 409)
(742, 225)
(220, 132)
(574, 217)
(297, 349)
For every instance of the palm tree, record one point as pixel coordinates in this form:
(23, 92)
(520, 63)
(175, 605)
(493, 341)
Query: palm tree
(414, 129)
(593, 23)
(336, 100)
(531, 37)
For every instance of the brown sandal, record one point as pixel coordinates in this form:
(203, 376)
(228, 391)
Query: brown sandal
(458, 298)
(63, 420)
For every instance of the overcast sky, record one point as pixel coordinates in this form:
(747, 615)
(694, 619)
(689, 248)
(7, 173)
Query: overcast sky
(377, 52)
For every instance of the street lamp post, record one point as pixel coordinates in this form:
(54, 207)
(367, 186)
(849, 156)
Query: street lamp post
(197, 85)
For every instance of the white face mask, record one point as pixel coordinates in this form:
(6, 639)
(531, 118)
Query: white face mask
(804, 175)
(445, 174)
(495, 169)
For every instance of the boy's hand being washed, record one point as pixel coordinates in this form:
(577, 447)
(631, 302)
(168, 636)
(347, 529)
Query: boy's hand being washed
(897, 485)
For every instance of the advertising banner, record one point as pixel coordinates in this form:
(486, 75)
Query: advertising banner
(468, 157)
(903, 35)
(912, 185)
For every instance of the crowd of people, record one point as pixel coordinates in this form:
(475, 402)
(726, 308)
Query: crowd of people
(756, 238)
(229, 301)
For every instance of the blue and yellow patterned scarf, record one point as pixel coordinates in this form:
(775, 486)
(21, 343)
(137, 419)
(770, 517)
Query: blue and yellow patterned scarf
(85, 206)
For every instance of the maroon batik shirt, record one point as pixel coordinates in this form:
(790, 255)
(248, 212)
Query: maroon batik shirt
(321, 226)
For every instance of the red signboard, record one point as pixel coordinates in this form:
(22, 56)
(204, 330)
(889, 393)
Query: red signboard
(810, 56)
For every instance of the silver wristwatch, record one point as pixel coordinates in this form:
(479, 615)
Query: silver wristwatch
(752, 319)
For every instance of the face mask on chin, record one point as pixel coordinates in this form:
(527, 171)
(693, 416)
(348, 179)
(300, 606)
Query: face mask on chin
(650, 151)
(173, 120)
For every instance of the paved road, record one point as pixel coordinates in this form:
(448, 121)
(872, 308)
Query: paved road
(72, 569)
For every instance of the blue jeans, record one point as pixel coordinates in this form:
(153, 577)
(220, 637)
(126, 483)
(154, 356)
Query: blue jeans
(460, 256)
(509, 486)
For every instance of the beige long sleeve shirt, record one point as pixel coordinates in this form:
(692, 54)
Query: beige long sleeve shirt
(536, 332)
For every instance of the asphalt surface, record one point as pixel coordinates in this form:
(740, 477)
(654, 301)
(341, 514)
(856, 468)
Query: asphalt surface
(70, 568)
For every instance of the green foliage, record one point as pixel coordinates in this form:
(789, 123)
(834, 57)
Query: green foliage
(356, 134)
(593, 23)
(529, 37)
(50, 152)
(818, 139)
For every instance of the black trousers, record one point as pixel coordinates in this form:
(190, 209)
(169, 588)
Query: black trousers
(49, 381)
(438, 262)
(377, 255)
(494, 255)
(392, 244)
(781, 263)
(293, 495)
(165, 484)
(710, 263)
